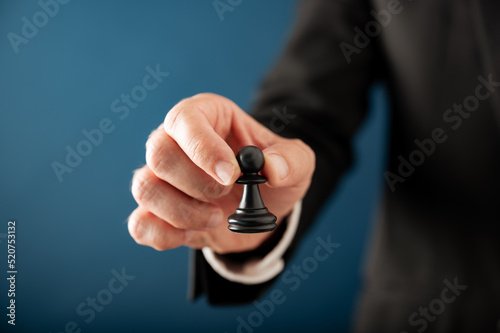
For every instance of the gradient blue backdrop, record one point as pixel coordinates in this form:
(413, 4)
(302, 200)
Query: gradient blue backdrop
(71, 234)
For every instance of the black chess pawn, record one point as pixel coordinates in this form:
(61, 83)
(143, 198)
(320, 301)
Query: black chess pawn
(251, 216)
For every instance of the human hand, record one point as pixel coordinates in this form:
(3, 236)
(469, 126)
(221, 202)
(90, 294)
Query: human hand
(185, 191)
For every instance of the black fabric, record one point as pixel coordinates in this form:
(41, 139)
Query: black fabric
(442, 222)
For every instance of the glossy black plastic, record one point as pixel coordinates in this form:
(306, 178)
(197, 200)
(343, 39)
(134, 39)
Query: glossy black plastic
(252, 216)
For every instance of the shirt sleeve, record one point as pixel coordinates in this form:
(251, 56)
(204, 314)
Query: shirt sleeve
(258, 270)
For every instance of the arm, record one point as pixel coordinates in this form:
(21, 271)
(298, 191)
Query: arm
(326, 100)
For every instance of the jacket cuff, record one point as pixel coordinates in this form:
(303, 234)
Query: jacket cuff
(256, 270)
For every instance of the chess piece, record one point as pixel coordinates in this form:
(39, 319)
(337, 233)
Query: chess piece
(251, 216)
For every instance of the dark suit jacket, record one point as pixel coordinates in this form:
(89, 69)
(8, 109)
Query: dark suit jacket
(441, 222)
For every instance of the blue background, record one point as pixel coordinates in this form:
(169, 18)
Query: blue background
(71, 234)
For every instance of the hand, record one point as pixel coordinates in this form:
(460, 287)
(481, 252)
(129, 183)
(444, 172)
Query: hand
(185, 191)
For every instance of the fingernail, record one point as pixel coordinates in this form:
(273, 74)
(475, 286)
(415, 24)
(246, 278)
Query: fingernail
(279, 165)
(224, 171)
(214, 220)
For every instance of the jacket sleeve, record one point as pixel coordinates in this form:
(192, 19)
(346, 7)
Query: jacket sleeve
(317, 92)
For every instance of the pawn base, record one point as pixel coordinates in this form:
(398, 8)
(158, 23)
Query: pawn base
(251, 221)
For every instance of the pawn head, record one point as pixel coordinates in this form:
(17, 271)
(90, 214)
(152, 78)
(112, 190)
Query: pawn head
(250, 159)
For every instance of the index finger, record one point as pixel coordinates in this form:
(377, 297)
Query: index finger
(198, 125)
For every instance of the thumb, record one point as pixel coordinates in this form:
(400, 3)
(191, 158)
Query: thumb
(287, 163)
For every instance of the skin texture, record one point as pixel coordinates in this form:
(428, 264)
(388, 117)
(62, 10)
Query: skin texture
(182, 200)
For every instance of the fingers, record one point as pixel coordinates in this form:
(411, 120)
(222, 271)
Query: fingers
(148, 229)
(169, 163)
(171, 205)
(289, 162)
(198, 125)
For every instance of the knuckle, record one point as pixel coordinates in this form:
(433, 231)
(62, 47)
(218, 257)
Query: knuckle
(211, 191)
(196, 239)
(157, 155)
(266, 136)
(174, 116)
(188, 215)
(176, 123)
(202, 96)
(206, 99)
(185, 213)
(195, 148)
(308, 151)
(298, 142)
(153, 154)
(142, 186)
(311, 154)
(136, 228)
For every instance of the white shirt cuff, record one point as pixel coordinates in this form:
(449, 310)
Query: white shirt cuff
(257, 270)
